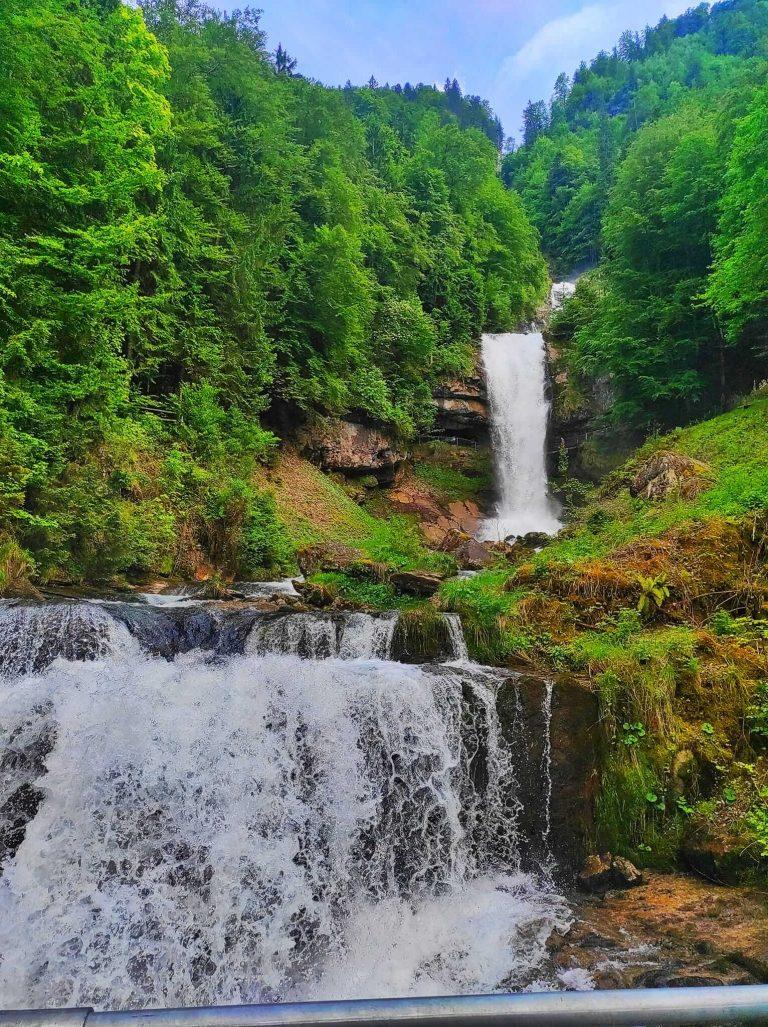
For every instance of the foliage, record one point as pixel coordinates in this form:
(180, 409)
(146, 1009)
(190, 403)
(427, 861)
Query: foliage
(653, 162)
(654, 592)
(195, 241)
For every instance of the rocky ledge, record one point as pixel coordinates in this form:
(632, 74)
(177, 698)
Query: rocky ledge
(462, 409)
(670, 930)
(353, 449)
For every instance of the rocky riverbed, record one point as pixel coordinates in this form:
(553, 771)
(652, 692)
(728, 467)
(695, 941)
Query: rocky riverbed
(673, 930)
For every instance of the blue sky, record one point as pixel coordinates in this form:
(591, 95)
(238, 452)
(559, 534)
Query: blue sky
(505, 50)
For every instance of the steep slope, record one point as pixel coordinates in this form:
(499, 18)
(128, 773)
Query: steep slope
(657, 597)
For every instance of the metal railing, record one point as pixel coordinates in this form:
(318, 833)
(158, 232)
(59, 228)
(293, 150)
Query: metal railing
(716, 1005)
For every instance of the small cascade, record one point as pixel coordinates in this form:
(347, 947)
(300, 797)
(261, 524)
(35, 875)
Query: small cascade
(456, 638)
(312, 636)
(367, 638)
(32, 636)
(559, 293)
(546, 765)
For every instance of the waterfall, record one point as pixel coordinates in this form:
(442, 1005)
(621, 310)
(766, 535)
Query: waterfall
(201, 807)
(515, 371)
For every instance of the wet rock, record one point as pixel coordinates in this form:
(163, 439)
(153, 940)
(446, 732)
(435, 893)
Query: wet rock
(564, 712)
(354, 449)
(470, 554)
(315, 595)
(602, 873)
(666, 474)
(536, 539)
(725, 858)
(416, 583)
(671, 977)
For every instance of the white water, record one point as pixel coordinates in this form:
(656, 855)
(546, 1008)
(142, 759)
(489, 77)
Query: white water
(237, 828)
(515, 371)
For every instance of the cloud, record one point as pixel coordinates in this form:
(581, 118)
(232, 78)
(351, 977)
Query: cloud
(562, 42)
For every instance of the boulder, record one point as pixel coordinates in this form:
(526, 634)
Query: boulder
(602, 873)
(666, 474)
(470, 554)
(353, 449)
(327, 556)
(315, 595)
(416, 583)
(536, 539)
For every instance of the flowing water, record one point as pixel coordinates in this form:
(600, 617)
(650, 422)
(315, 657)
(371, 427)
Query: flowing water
(515, 369)
(201, 805)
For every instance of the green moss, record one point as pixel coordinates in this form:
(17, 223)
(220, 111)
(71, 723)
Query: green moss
(421, 635)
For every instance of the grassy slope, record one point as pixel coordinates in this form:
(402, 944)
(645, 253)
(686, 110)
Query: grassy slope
(315, 509)
(678, 688)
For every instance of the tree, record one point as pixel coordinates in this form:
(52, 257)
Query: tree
(535, 121)
(284, 63)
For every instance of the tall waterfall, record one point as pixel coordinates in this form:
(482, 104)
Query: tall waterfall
(199, 807)
(515, 370)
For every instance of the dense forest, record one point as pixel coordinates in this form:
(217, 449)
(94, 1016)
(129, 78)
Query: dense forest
(198, 244)
(652, 161)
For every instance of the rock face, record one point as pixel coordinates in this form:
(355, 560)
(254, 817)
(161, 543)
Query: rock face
(353, 449)
(462, 409)
(565, 772)
(435, 516)
(470, 554)
(668, 474)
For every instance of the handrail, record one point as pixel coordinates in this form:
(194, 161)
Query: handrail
(642, 1006)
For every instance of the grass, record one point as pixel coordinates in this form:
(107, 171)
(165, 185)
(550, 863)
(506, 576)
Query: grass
(315, 508)
(454, 473)
(735, 445)
(677, 681)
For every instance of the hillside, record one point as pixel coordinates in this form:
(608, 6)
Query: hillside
(201, 251)
(651, 162)
(657, 596)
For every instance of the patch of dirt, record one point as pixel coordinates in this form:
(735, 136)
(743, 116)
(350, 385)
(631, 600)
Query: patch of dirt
(435, 515)
(672, 930)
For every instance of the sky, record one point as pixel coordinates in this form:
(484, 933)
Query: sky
(508, 51)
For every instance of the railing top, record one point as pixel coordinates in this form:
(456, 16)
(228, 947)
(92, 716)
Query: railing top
(715, 1005)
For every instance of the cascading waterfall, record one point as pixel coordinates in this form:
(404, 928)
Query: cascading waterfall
(515, 372)
(200, 807)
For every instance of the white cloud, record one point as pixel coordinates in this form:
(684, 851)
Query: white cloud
(562, 43)
(559, 42)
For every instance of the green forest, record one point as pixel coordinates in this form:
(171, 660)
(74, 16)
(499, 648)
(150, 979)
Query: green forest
(650, 162)
(197, 246)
